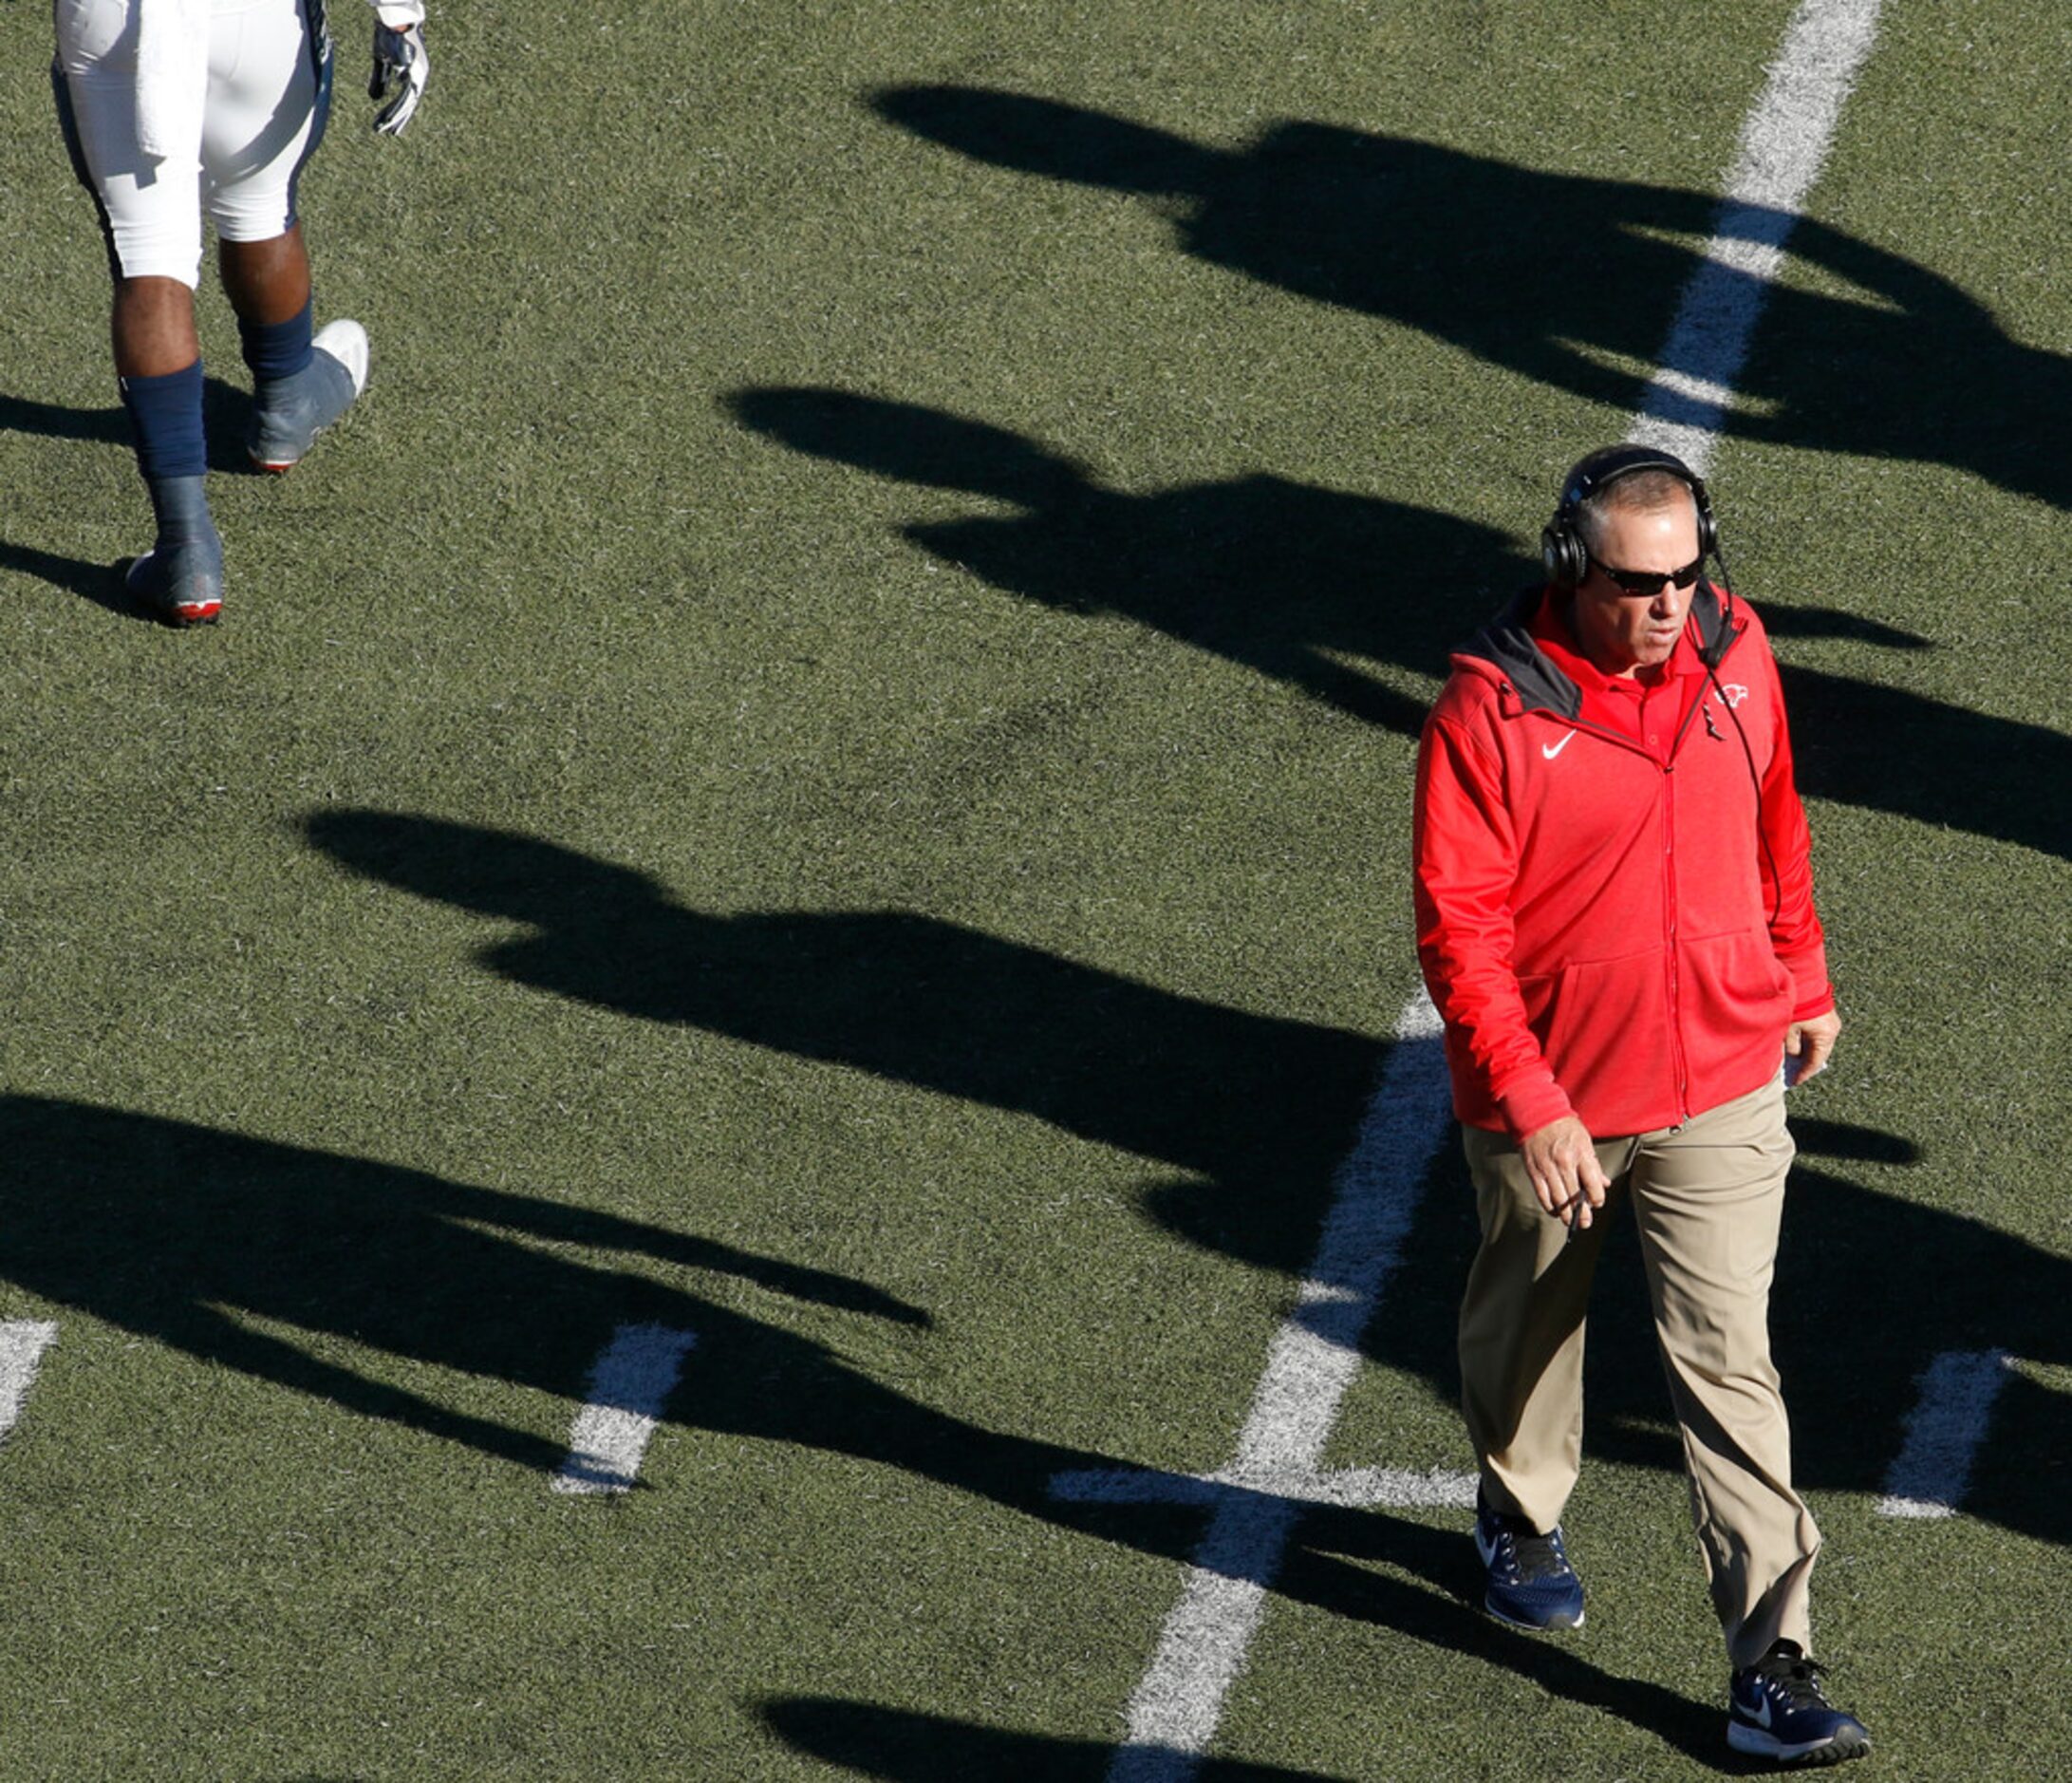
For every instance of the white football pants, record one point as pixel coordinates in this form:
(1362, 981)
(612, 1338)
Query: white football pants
(174, 106)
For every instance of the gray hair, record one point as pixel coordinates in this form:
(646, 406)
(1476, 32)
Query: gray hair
(1640, 492)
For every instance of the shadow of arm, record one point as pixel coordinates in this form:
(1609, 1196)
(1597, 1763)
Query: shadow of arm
(212, 1337)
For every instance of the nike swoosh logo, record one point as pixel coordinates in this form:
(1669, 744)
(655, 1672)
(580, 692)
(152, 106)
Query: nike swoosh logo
(1759, 1715)
(1551, 750)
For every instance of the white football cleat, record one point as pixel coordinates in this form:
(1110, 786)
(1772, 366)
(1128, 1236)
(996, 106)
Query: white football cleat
(346, 341)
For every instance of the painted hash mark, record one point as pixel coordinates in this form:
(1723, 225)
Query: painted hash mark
(630, 1386)
(21, 1345)
(1932, 1471)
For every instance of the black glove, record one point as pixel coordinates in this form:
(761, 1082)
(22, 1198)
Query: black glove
(400, 65)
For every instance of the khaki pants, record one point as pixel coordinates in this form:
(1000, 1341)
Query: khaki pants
(1707, 1199)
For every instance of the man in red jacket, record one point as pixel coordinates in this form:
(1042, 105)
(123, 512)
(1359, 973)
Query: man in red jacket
(1615, 917)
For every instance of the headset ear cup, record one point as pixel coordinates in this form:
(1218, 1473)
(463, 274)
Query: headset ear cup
(1561, 555)
(1709, 533)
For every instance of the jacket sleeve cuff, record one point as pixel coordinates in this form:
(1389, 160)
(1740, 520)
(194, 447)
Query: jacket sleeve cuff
(1531, 1100)
(1819, 1002)
(1811, 994)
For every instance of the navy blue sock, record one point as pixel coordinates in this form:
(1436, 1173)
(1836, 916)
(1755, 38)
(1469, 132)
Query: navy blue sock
(165, 415)
(277, 349)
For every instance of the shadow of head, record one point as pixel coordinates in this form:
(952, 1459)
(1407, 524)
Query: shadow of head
(1058, 142)
(908, 998)
(909, 443)
(1290, 579)
(228, 1243)
(493, 872)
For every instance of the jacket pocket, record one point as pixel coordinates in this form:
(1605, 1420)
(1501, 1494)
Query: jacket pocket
(1606, 1028)
(1737, 997)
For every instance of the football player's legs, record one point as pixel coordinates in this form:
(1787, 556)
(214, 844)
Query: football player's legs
(268, 93)
(137, 151)
(148, 199)
(268, 282)
(152, 327)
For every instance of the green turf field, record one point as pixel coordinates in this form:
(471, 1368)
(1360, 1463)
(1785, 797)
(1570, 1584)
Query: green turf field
(824, 761)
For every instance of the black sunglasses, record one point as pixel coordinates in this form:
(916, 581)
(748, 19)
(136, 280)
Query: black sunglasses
(1649, 582)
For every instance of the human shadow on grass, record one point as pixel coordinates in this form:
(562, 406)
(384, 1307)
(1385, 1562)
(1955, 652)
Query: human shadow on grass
(101, 584)
(198, 1238)
(1256, 1110)
(1348, 1563)
(1570, 279)
(1260, 1105)
(900, 1746)
(1306, 584)
(1870, 1288)
(60, 420)
(1862, 742)
(1287, 577)
(260, 1258)
(226, 411)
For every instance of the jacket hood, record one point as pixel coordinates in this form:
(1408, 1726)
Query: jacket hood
(1506, 650)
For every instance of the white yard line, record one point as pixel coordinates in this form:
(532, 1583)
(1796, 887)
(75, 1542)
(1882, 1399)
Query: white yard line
(21, 1345)
(629, 1387)
(1202, 1649)
(1313, 1360)
(1932, 1469)
(1783, 143)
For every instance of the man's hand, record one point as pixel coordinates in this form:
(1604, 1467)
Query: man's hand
(1807, 1045)
(1564, 1171)
(399, 64)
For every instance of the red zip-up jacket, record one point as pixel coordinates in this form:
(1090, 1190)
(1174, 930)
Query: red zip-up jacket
(1614, 898)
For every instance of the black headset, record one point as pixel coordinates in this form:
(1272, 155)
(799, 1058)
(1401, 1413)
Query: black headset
(1560, 541)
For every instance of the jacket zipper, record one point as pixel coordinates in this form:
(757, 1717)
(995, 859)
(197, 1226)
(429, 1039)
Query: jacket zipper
(1677, 1063)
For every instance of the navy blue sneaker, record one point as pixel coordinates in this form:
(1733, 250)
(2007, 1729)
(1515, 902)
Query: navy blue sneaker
(289, 413)
(1531, 1583)
(1780, 1711)
(180, 580)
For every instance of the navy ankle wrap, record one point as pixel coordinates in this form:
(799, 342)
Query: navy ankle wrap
(277, 349)
(165, 415)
